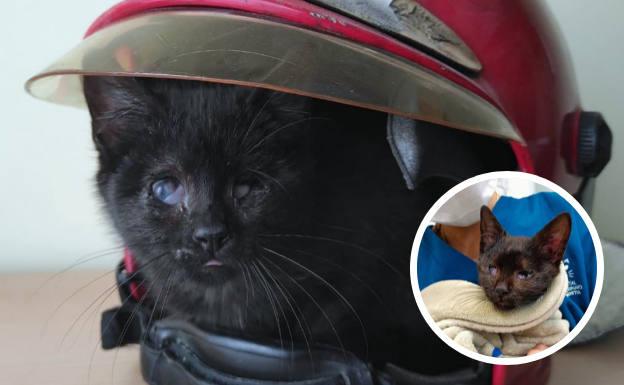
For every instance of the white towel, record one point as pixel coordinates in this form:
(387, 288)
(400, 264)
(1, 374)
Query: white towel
(464, 313)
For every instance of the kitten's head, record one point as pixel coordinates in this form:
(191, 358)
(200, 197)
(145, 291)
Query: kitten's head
(515, 271)
(192, 173)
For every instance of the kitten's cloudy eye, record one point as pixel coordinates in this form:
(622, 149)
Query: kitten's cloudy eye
(524, 274)
(168, 190)
(241, 190)
(492, 269)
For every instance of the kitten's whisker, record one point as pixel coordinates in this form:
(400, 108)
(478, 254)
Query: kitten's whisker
(67, 299)
(167, 289)
(270, 298)
(95, 348)
(267, 176)
(246, 284)
(354, 276)
(96, 311)
(252, 125)
(331, 287)
(134, 314)
(251, 288)
(102, 298)
(162, 289)
(79, 261)
(127, 326)
(279, 305)
(294, 301)
(340, 242)
(282, 292)
(288, 125)
(315, 302)
(108, 324)
(109, 290)
(340, 228)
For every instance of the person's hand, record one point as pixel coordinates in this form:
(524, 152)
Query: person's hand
(537, 348)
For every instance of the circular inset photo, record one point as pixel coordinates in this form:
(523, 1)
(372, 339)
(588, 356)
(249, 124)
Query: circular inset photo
(507, 268)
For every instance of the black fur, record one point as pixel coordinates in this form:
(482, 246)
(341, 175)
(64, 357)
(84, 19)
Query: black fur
(316, 252)
(515, 271)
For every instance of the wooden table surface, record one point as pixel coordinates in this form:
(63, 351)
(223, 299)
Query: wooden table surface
(49, 334)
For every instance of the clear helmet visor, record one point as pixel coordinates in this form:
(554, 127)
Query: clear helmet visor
(233, 48)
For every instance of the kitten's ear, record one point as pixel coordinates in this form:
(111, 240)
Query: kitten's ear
(491, 230)
(114, 102)
(553, 238)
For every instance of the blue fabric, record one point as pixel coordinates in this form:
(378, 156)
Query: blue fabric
(438, 261)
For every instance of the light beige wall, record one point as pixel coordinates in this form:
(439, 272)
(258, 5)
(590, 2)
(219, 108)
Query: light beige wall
(594, 31)
(48, 212)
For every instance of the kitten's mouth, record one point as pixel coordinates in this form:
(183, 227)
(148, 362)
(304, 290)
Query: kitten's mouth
(505, 306)
(211, 264)
(502, 303)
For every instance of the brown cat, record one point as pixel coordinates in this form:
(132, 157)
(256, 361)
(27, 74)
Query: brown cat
(515, 271)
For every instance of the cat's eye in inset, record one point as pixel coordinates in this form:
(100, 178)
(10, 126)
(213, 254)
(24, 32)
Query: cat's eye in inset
(492, 269)
(168, 190)
(524, 274)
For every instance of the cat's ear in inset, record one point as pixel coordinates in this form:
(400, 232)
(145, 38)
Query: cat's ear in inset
(553, 238)
(491, 229)
(115, 104)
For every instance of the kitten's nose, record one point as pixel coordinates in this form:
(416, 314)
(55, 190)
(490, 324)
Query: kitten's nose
(501, 288)
(211, 238)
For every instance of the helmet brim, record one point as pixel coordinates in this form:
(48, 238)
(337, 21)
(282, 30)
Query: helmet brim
(232, 48)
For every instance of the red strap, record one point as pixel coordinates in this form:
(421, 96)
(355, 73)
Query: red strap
(136, 290)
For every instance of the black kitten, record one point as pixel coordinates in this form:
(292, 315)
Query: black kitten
(515, 271)
(265, 214)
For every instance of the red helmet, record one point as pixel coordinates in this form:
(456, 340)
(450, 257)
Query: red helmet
(497, 68)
